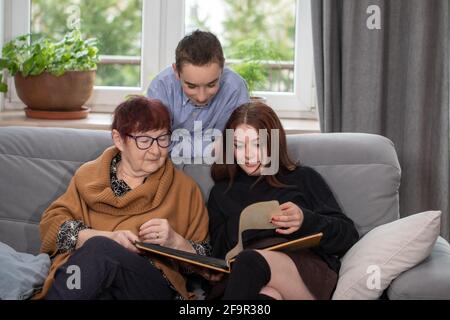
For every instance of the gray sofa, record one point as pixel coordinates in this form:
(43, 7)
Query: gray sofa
(36, 165)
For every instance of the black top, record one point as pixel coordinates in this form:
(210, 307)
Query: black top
(308, 190)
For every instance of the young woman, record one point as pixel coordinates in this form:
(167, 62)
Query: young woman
(307, 205)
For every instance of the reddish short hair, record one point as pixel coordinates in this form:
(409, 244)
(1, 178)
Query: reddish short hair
(140, 114)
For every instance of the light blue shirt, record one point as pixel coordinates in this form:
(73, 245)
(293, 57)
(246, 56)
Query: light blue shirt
(232, 93)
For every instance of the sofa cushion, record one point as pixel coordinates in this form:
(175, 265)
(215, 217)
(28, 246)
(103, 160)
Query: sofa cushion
(21, 274)
(385, 252)
(430, 280)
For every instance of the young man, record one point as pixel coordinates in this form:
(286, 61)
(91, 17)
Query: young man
(199, 91)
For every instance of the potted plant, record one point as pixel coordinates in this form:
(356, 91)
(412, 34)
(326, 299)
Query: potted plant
(53, 79)
(252, 56)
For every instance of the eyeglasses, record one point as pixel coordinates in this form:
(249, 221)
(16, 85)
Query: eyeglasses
(145, 142)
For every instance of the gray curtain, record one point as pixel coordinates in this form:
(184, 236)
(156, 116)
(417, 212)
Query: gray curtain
(392, 81)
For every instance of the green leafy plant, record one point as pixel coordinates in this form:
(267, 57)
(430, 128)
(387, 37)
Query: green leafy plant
(253, 55)
(32, 58)
(3, 86)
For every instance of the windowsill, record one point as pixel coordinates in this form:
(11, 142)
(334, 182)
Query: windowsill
(102, 121)
(294, 126)
(95, 121)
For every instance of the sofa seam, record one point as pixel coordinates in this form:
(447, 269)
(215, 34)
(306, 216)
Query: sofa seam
(355, 164)
(18, 220)
(38, 158)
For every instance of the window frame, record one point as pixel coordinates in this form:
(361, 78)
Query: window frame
(163, 25)
(2, 37)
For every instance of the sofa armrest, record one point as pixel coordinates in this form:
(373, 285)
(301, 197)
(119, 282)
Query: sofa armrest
(429, 280)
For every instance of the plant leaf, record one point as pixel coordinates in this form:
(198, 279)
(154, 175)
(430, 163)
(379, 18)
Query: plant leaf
(3, 86)
(42, 54)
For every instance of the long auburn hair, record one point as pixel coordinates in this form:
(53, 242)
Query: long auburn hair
(259, 116)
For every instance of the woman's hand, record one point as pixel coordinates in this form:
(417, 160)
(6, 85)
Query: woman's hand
(290, 220)
(159, 231)
(125, 238)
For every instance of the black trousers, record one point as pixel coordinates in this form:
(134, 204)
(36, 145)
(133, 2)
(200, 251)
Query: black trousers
(103, 269)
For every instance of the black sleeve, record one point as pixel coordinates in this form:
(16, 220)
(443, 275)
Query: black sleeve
(221, 225)
(323, 214)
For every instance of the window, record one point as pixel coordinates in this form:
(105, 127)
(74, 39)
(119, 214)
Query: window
(284, 26)
(2, 24)
(272, 22)
(137, 39)
(108, 21)
(119, 27)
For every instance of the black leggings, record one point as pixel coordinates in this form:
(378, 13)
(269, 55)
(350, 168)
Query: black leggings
(250, 273)
(108, 271)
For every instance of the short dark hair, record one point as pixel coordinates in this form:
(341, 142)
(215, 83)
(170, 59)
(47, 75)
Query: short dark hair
(140, 114)
(199, 48)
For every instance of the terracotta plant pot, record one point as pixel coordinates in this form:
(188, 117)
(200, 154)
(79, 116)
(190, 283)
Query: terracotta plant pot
(47, 92)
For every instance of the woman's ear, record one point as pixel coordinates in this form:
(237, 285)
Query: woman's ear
(117, 139)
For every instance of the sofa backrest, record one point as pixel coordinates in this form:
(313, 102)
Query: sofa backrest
(362, 170)
(36, 165)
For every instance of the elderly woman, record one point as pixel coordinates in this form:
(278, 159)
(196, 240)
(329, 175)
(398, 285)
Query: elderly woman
(132, 192)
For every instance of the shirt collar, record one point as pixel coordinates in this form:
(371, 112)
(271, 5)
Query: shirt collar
(185, 98)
